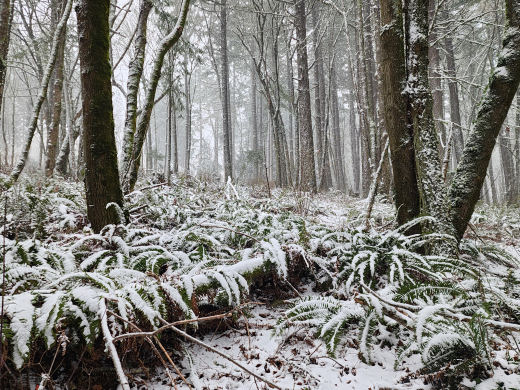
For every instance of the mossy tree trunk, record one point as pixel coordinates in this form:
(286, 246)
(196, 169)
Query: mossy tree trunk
(6, 16)
(503, 85)
(430, 182)
(101, 177)
(451, 206)
(400, 136)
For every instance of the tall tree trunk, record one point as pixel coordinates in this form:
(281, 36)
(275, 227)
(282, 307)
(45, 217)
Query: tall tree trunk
(254, 126)
(435, 75)
(53, 135)
(144, 118)
(6, 17)
(187, 104)
(168, 156)
(456, 123)
(397, 122)
(516, 187)
(508, 165)
(226, 114)
(433, 196)
(368, 95)
(503, 85)
(336, 131)
(215, 150)
(325, 176)
(102, 177)
(291, 106)
(174, 138)
(307, 169)
(135, 72)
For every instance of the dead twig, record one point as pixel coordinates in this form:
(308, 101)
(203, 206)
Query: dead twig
(225, 356)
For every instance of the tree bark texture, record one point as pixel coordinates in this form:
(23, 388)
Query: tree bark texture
(397, 123)
(429, 177)
(307, 169)
(53, 135)
(101, 177)
(6, 17)
(226, 112)
(503, 85)
(135, 72)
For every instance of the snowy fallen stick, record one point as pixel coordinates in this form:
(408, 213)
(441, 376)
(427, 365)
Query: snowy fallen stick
(225, 356)
(156, 351)
(146, 188)
(181, 322)
(109, 342)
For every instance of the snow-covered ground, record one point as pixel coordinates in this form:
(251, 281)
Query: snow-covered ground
(373, 312)
(297, 360)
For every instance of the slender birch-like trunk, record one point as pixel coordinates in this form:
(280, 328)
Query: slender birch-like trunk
(135, 72)
(60, 30)
(144, 118)
(53, 135)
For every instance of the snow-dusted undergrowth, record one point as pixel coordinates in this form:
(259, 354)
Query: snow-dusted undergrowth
(193, 243)
(455, 313)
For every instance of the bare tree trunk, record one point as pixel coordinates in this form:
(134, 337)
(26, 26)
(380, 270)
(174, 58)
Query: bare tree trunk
(516, 187)
(168, 156)
(215, 150)
(102, 177)
(187, 107)
(367, 93)
(307, 169)
(456, 123)
(336, 131)
(135, 72)
(254, 125)
(60, 30)
(435, 76)
(226, 119)
(174, 139)
(13, 127)
(53, 135)
(508, 165)
(6, 17)
(324, 172)
(293, 126)
(503, 85)
(144, 118)
(397, 122)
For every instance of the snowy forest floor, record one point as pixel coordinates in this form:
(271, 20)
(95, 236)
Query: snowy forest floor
(203, 248)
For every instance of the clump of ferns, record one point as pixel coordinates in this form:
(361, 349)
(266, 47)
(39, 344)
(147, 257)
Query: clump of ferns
(391, 258)
(360, 263)
(41, 208)
(449, 348)
(78, 288)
